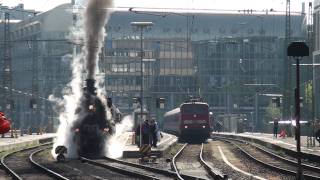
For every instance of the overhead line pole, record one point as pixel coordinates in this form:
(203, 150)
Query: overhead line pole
(35, 102)
(7, 101)
(287, 80)
(141, 26)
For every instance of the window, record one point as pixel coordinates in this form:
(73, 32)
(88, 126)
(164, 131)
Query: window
(194, 109)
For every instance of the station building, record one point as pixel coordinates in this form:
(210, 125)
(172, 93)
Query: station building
(230, 60)
(216, 56)
(316, 57)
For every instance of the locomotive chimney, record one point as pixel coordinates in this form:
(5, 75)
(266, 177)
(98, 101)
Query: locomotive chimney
(90, 86)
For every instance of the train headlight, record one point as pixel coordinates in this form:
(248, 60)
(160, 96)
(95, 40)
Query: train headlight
(185, 127)
(92, 108)
(203, 127)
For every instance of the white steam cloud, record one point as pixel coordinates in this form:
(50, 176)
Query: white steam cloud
(115, 145)
(90, 25)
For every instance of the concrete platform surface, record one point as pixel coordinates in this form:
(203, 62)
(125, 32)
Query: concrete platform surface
(287, 142)
(132, 151)
(7, 143)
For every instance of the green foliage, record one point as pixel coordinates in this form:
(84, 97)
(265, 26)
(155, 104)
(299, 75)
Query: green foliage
(308, 95)
(272, 112)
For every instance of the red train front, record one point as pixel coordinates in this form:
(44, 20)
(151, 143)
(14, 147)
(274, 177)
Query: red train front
(189, 121)
(4, 124)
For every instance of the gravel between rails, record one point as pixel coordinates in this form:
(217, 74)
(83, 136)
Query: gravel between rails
(215, 160)
(188, 163)
(161, 163)
(20, 164)
(282, 154)
(259, 170)
(269, 159)
(4, 175)
(134, 169)
(241, 161)
(75, 169)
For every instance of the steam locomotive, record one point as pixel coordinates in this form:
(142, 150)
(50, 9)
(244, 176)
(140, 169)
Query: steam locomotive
(189, 121)
(92, 127)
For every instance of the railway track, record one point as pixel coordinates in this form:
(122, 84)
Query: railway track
(21, 165)
(122, 168)
(137, 170)
(189, 160)
(273, 161)
(133, 169)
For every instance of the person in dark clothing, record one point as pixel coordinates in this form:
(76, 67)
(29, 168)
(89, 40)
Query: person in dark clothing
(137, 135)
(146, 132)
(153, 132)
(318, 136)
(275, 128)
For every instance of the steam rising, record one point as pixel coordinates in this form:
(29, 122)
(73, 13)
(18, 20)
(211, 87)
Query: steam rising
(96, 16)
(92, 21)
(115, 145)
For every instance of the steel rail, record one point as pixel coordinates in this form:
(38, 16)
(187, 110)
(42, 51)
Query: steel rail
(213, 173)
(173, 163)
(279, 169)
(289, 161)
(44, 169)
(149, 168)
(11, 172)
(119, 170)
(160, 171)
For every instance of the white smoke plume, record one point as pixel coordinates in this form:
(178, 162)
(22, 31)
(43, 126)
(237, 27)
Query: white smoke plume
(115, 145)
(90, 25)
(67, 106)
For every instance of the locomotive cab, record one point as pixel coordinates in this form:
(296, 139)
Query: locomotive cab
(189, 121)
(195, 121)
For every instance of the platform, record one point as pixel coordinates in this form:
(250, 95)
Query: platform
(7, 143)
(287, 144)
(132, 150)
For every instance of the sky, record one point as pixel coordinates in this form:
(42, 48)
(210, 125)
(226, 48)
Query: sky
(277, 5)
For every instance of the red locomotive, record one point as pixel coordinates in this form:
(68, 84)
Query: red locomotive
(4, 124)
(189, 121)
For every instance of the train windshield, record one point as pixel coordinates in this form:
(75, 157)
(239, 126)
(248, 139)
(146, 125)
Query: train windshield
(194, 109)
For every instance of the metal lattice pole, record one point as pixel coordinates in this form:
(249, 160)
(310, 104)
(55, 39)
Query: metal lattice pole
(35, 103)
(287, 81)
(7, 103)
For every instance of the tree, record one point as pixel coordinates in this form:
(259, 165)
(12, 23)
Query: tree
(272, 112)
(308, 96)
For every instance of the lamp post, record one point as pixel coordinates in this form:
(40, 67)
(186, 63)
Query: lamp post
(298, 50)
(141, 26)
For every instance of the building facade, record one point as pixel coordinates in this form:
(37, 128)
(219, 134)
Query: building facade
(215, 56)
(230, 60)
(316, 57)
(39, 56)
